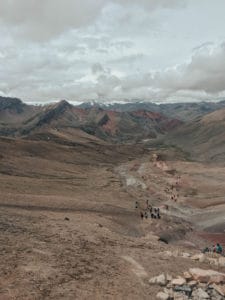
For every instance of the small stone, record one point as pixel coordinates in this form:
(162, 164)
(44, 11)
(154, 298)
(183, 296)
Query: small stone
(221, 261)
(169, 292)
(169, 285)
(187, 275)
(169, 277)
(219, 288)
(184, 289)
(213, 261)
(179, 296)
(162, 296)
(186, 255)
(178, 281)
(200, 257)
(200, 294)
(202, 285)
(167, 253)
(160, 280)
(192, 283)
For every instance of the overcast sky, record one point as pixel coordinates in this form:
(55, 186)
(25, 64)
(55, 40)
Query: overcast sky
(112, 50)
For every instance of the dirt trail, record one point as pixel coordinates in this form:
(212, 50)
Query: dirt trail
(137, 269)
(153, 180)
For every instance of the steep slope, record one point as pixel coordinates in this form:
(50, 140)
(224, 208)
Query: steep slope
(204, 138)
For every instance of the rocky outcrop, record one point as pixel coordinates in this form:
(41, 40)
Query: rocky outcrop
(196, 284)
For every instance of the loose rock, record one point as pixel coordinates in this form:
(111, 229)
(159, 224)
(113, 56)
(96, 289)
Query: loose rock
(162, 296)
(178, 281)
(220, 289)
(200, 294)
(160, 280)
(207, 276)
(221, 261)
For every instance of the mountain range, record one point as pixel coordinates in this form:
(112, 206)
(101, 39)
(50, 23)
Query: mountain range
(20, 119)
(196, 128)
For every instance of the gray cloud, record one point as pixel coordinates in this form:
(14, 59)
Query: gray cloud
(112, 50)
(153, 4)
(41, 20)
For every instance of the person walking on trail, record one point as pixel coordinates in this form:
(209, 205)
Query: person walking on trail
(219, 248)
(142, 215)
(146, 215)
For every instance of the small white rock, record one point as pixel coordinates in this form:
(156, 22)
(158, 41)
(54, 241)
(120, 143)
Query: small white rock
(160, 280)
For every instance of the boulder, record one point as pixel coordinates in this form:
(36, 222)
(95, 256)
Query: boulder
(160, 280)
(162, 296)
(200, 294)
(207, 276)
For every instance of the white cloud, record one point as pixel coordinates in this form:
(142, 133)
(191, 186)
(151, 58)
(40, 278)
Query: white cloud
(205, 72)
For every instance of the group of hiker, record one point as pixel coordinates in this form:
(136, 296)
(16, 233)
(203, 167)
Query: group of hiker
(173, 189)
(149, 211)
(217, 248)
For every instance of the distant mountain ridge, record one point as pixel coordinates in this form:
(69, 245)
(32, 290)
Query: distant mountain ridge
(19, 119)
(182, 111)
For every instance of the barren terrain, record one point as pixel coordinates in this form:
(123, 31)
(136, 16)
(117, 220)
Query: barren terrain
(69, 226)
